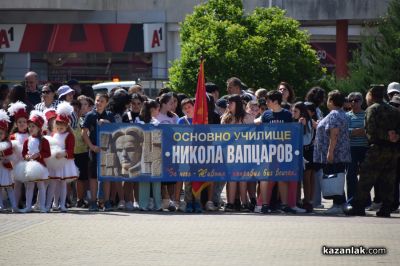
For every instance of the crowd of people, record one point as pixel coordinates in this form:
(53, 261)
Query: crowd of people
(48, 148)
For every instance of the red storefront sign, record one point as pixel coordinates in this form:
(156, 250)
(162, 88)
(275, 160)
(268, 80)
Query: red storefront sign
(66, 38)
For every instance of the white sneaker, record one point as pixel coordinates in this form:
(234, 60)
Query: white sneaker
(257, 209)
(135, 206)
(299, 210)
(165, 204)
(150, 207)
(172, 206)
(375, 206)
(221, 204)
(36, 207)
(129, 206)
(121, 205)
(210, 206)
(55, 207)
(335, 209)
(182, 206)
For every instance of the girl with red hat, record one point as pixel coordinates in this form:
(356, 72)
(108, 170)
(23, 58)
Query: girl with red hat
(53, 164)
(50, 115)
(65, 139)
(19, 133)
(33, 170)
(6, 180)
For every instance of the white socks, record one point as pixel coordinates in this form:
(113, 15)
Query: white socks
(29, 194)
(17, 191)
(57, 194)
(51, 188)
(11, 196)
(1, 200)
(63, 193)
(42, 194)
(29, 187)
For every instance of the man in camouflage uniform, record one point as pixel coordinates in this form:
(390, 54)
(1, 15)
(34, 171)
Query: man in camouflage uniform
(382, 125)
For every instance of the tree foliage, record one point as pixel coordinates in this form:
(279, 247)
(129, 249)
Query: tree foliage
(262, 48)
(378, 60)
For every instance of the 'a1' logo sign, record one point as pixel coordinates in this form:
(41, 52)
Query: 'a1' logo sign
(154, 38)
(11, 37)
(157, 37)
(5, 37)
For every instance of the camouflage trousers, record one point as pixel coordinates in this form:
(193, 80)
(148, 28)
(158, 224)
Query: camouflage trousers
(379, 166)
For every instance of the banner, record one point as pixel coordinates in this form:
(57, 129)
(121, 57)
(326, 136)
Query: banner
(79, 38)
(200, 152)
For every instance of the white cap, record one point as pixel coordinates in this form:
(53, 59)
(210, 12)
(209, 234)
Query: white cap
(393, 87)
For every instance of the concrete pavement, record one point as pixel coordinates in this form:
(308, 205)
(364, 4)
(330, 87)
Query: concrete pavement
(118, 238)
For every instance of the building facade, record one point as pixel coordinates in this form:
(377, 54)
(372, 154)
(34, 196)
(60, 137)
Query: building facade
(135, 39)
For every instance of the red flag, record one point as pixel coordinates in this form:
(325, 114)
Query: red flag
(200, 117)
(200, 106)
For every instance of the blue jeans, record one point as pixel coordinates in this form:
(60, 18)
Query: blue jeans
(218, 187)
(357, 157)
(144, 194)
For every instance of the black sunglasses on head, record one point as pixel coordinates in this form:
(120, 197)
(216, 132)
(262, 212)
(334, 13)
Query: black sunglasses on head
(46, 92)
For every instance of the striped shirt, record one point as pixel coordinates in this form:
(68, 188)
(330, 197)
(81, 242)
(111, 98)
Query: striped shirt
(41, 107)
(74, 120)
(356, 120)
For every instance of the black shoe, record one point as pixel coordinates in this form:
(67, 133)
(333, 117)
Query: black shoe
(252, 204)
(108, 206)
(245, 208)
(383, 213)
(237, 205)
(352, 211)
(308, 207)
(229, 207)
(93, 207)
(275, 210)
(287, 209)
(81, 204)
(265, 209)
(395, 208)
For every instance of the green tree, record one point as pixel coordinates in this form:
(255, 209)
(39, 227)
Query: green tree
(378, 60)
(261, 49)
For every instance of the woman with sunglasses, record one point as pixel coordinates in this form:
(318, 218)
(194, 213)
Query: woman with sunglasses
(358, 141)
(288, 96)
(48, 100)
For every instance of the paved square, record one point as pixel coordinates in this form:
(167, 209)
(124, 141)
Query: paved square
(119, 238)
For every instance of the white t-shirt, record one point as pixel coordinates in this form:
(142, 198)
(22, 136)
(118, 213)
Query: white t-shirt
(164, 119)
